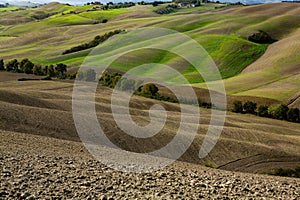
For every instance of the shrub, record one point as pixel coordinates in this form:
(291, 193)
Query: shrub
(12, 66)
(51, 71)
(250, 107)
(149, 89)
(97, 40)
(87, 75)
(126, 84)
(261, 37)
(37, 70)
(263, 111)
(279, 112)
(237, 107)
(61, 70)
(105, 79)
(115, 77)
(293, 115)
(2, 67)
(90, 75)
(26, 66)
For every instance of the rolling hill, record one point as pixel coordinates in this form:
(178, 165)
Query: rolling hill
(43, 156)
(250, 69)
(247, 144)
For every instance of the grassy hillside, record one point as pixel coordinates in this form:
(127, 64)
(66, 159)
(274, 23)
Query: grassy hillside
(222, 32)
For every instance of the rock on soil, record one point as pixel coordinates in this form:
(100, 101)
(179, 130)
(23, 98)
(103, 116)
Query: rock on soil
(57, 169)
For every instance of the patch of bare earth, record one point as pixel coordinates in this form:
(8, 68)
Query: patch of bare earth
(41, 155)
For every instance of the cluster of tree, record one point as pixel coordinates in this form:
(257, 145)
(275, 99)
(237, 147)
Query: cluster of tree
(26, 66)
(261, 37)
(115, 80)
(39, 15)
(287, 172)
(167, 10)
(95, 42)
(94, 3)
(111, 5)
(4, 5)
(156, 3)
(281, 112)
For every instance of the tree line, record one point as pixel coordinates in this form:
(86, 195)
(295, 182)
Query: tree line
(26, 66)
(116, 80)
(281, 112)
(150, 90)
(95, 42)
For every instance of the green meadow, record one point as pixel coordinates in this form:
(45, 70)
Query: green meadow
(43, 33)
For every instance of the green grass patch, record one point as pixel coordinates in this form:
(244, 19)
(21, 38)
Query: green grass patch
(231, 53)
(9, 8)
(103, 14)
(65, 20)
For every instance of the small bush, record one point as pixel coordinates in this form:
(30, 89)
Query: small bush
(279, 112)
(237, 107)
(250, 107)
(261, 37)
(2, 66)
(263, 111)
(293, 115)
(12, 66)
(149, 89)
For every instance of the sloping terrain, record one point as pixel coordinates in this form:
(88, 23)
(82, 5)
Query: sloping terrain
(42, 156)
(222, 32)
(41, 167)
(247, 143)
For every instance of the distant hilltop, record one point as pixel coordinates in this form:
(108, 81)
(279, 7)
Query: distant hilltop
(19, 4)
(290, 1)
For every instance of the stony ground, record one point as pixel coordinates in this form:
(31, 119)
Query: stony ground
(36, 167)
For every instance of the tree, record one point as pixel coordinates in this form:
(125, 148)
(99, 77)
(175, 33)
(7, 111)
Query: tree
(263, 111)
(37, 70)
(293, 115)
(45, 70)
(90, 75)
(138, 85)
(51, 72)
(237, 106)
(2, 67)
(150, 89)
(250, 107)
(12, 66)
(261, 37)
(279, 112)
(115, 77)
(22, 63)
(61, 70)
(105, 78)
(80, 75)
(127, 84)
(27, 67)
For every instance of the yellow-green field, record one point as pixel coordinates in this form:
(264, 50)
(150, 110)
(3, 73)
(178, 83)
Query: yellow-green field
(249, 69)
